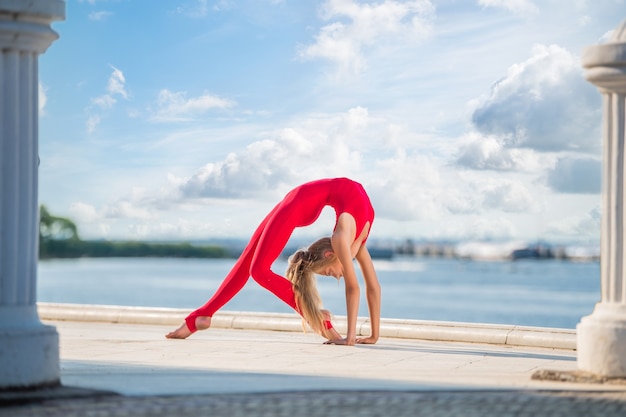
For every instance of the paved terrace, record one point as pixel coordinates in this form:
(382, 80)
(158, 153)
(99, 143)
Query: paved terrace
(115, 361)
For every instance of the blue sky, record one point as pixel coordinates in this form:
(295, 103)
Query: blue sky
(464, 119)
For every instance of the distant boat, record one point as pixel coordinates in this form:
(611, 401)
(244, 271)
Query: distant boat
(526, 253)
(533, 252)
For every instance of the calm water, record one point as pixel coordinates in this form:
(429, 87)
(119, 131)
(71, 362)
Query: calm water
(529, 293)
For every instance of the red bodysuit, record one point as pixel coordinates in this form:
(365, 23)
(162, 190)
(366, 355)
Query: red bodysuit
(300, 207)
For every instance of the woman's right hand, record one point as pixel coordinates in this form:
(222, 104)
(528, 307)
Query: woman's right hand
(344, 341)
(332, 335)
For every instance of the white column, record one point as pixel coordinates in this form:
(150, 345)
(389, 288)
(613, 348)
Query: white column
(602, 335)
(29, 350)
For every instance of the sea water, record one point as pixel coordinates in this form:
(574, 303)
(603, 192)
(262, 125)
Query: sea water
(547, 293)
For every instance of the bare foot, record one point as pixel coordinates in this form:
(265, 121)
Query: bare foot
(183, 331)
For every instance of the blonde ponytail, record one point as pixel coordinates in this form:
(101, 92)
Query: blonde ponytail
(300, 273)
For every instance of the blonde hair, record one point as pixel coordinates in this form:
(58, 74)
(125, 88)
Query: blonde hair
(300, 272)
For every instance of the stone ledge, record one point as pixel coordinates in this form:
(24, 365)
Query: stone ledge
(541, 337)
(580, 377)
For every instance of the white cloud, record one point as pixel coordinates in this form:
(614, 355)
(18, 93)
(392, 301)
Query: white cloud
(405, 183)
(99, 16)
(127, 210)
(416, 187)
(491, 228)
(176, 107)
(92, 123)
(519, 7)
(420, 187)
(576, 175)
(238, 175)
(117, 83)
(84, 212)
(320, 146)
(105, 101)
(508, 197)
(260, 172)
(543, 104)
(489, 153)
(480, 152)
(122, 209)
(323, 145)
(356, 26)
(261, 167)
(116, 86)
(201, 8)
(156, 229)
(541, 119)
(517, 162)
(196, 8)
(576, 227)
(409, 189)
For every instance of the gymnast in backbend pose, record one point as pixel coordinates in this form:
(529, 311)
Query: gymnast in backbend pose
(328, 256)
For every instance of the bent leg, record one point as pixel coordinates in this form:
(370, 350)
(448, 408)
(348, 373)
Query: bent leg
(280, 286)
(271, 244)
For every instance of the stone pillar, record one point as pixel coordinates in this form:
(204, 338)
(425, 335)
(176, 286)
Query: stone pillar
(29, 350)
(602, 335)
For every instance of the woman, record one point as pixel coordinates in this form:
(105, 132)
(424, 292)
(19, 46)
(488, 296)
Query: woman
(328, 256)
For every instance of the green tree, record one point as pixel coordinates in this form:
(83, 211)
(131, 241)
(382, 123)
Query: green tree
(55, 228)
(58, 238)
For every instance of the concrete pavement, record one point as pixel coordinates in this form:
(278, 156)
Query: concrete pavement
(251, 370)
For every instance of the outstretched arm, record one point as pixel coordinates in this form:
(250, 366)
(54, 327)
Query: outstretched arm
(342, 240)
(372, 289)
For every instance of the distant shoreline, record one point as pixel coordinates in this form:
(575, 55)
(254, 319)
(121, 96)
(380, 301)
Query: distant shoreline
(477, 251)
(74, 248)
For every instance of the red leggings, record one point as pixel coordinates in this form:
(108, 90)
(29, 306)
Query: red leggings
(265, 246)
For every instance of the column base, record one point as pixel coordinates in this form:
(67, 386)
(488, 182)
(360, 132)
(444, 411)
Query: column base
(601, 341)
(29, 357)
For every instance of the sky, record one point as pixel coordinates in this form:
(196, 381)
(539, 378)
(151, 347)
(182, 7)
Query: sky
(190, 119)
